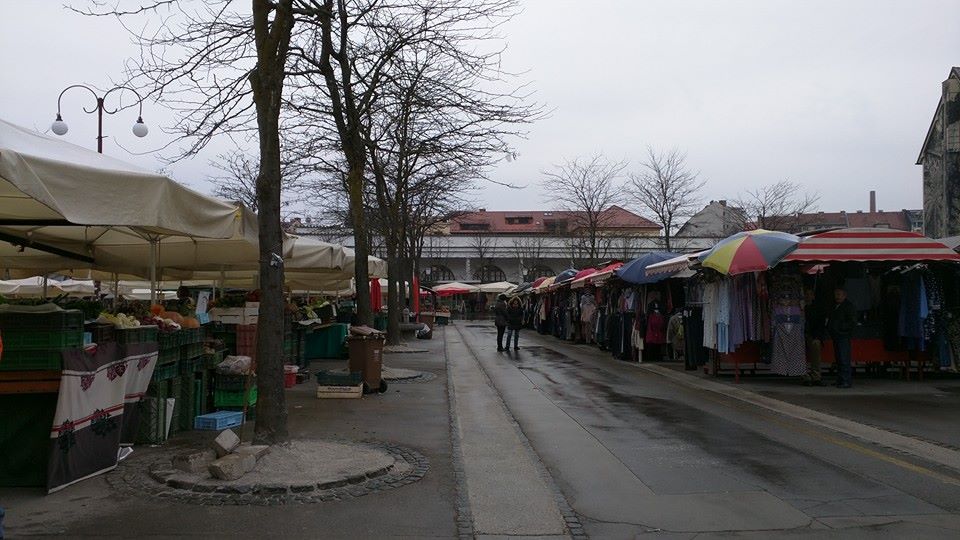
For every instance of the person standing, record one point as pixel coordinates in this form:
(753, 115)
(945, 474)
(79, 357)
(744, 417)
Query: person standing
(514, 323)
(814, 328)
(840, 326)
(500, 320)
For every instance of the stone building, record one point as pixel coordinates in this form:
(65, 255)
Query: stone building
(940, 158)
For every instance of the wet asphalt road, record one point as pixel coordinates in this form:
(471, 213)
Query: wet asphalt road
(634, 453)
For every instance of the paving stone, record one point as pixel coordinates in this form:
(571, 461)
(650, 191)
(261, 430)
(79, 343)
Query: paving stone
(194, 461)
(256, 450)
(232, 466)
(226, 442)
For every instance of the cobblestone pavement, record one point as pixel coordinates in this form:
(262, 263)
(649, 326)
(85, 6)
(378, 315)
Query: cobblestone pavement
(154, 477)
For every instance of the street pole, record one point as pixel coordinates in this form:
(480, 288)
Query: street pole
(59, 127)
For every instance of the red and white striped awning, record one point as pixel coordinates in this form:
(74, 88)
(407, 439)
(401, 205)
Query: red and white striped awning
(872, 244)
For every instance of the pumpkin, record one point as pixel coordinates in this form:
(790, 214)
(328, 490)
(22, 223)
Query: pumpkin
(173, 316)
(156, 309)
(191, 322)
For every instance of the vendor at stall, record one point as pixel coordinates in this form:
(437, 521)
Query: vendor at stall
(840, 324)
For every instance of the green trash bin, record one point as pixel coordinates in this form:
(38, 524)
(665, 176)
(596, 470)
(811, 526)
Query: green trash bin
(326, 342)
(380, 322)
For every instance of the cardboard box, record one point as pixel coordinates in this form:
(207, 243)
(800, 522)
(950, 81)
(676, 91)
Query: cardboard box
(339, 392)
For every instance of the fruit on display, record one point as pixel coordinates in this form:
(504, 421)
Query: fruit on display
(165, 325)
(190, 322)
(120, 320)
(156, 309)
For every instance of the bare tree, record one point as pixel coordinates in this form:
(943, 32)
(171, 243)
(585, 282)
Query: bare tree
(483, 246)
(238, 180)
(225, 70)
(586, 188)
(775, 207)
(529, 251)
(666, 190)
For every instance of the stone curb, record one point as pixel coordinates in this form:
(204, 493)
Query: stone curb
(423, 376)
(464, 514)
(154, 478)
(902, 443)
(570, 516)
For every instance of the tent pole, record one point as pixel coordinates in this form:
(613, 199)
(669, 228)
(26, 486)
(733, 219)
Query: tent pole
(153, 271)
(116, 290)
(44, 287)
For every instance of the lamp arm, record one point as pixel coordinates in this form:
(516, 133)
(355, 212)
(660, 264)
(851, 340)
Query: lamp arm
(91, 90)
(139, 100)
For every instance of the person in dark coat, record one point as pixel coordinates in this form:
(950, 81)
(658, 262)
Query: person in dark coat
(840, 325)
(514, 322)
(814, 329)
(500, 319)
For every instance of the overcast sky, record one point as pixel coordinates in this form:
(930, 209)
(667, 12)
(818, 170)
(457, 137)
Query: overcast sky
(836, 95)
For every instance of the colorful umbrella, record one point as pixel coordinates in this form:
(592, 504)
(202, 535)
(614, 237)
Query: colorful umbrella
(566, 275)
(635, 271)
(749, 251)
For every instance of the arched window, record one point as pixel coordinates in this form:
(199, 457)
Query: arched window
(489, 274)
(436, 273)
(538, 271)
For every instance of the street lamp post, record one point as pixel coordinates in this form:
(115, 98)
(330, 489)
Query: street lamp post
(139, 129)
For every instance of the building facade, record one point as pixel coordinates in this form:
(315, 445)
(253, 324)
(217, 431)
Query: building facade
(940, 158)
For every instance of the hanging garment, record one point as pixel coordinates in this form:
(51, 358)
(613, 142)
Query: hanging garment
(788, 347)
(913, 310)
(694, 353)
(723, 316)
(710, 315)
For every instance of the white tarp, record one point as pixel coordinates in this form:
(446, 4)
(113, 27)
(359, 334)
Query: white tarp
(498, 287)
(54, 194)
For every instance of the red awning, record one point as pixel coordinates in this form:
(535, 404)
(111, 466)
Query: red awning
(871, 245)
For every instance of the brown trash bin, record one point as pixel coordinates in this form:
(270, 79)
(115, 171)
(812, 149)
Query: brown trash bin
(366, 356)
(427, 319)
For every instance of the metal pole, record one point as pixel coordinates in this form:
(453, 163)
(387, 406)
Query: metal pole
(100, 125)
(44, 287)
(153, 271)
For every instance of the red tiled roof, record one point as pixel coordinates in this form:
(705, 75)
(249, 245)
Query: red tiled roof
(496, 221)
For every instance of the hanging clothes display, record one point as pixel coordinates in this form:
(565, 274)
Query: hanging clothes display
(788, 347)
(710, 307)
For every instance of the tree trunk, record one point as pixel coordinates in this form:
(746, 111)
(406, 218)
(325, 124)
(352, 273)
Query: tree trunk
(394, 305)
(361, 245)
(266, 82)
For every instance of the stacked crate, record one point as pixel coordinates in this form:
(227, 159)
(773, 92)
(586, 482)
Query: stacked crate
(36, 341)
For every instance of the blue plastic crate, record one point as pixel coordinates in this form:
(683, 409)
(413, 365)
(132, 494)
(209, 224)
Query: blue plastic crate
(218, 420)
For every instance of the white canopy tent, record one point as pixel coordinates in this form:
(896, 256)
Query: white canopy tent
(498, 287)
(66, 207)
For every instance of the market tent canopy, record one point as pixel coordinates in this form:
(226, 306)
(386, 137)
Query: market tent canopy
(635, 271)
(565, 276)
(580, 280)
(498, 287)
(676, 264)
(455, 287)
(65, 201)
(31, 286)
(544, 285)
(871, 244)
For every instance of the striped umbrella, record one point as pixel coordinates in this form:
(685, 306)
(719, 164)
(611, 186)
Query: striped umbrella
(749, 251)
(871, 244)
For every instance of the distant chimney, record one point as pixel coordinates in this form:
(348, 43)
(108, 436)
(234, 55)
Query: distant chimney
(722, 202)
(482, 210)
(873, 201)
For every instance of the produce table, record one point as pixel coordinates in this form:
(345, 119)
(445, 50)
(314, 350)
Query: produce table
(325, 341)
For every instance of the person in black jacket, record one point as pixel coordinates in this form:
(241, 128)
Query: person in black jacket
(514, 322)
(500, 319)
(840, 325)
(814, 329)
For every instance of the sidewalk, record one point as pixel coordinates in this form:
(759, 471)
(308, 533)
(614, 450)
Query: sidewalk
(411, 416)
(927, 410)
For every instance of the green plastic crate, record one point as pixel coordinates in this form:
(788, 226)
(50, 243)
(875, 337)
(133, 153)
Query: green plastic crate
(233, 398)
(31, 360)
(191, 351)
(70, 319)
(168, 356)
(151, 427)
(165, 372)
(192, 365)
(187, 402)
(23, 339)
(212, 360)
(168, 340)
(190, 335)
(232, 382)
(140, 334)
